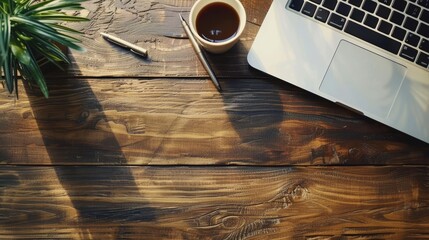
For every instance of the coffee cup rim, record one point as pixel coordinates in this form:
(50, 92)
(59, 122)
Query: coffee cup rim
(241, 15)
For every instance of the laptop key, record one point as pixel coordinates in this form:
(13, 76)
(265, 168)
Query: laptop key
(423, 60)
(322, 14)
(399, 5)
(337, 21)
(356, 3)
(397, 17)
(413, 10)
(386, 2)
(423, 3)
(317, 1)
(369, 6)
(309, 9)
(423, 30)
(424, 45)
(370, 21)
(383, 11)
(408, 53)
(412, 39)
(330, 4)
(410, 24)
(296, 4)
(372, 37)
(425, 16)
(343, 9)
(385, 27)
(399, 33)
(357, 15)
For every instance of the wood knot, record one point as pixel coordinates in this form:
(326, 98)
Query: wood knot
(83, 116)
(299, 193)
(231, 222)
(290, 196)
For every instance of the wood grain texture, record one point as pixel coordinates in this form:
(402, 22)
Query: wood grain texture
(132, 148)
(215, 203)
(154, 26)
(145, 121)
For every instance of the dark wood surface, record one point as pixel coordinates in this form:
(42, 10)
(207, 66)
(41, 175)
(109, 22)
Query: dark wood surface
(133, 148)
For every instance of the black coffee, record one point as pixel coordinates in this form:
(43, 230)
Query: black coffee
(217, 22)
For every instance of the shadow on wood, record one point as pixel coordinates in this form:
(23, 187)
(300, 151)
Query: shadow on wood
(75, 130)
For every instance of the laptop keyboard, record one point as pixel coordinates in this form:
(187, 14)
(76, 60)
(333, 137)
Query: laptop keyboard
(400, 27)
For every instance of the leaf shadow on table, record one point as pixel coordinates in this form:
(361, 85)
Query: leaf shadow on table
(256, 116)
(87, 157)
(254, 106)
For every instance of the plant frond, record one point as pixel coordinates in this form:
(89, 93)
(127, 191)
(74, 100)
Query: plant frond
(53, 5)
(20, 51)
(8, 73)
(33, 73)
(5, 30)
(36, 28)
(49, 50)
(59, 17)
(22, 5)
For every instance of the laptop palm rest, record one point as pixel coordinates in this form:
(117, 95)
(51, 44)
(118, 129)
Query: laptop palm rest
(363, 80)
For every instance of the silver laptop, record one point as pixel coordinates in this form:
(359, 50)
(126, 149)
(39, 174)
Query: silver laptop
(371, 56)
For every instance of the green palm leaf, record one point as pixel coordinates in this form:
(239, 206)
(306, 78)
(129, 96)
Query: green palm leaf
(4, 37)
(32, 72)
(20, 51)
(8, 72)
(55, 5)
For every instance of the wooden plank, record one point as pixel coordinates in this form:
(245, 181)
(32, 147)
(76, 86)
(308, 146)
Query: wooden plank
(186, 121)
(154, 26)
(256, 10)
(214, 203)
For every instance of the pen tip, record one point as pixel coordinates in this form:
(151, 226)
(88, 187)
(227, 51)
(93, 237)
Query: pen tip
(181, 17)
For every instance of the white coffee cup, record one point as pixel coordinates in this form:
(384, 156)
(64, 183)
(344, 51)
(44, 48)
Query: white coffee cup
(223, 45)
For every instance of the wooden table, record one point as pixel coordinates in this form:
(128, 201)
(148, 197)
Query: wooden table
(133, 148)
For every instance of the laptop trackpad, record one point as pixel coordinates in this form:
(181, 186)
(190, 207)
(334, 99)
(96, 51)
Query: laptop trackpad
(363, 80)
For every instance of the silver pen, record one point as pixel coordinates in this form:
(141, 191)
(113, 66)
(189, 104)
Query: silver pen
(132, 47)
(199, 53)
